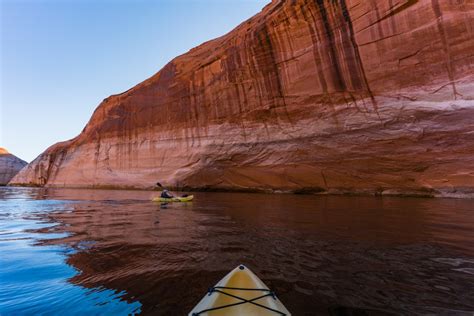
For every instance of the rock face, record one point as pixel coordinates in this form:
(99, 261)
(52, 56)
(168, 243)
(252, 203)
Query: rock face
(9, 166)
(337, 96)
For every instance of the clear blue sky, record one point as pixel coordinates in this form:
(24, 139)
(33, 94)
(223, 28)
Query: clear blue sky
(61, 58)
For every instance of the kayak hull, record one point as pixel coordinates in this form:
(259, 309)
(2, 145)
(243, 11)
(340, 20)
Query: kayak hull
(237, 287)
(188, 198)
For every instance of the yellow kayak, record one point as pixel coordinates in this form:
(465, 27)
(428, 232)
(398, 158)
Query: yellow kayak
(175, 199)
(240, 293)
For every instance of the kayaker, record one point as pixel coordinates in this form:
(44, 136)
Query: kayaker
(166, 194)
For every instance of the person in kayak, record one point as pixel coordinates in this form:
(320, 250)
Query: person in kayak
(166, 194)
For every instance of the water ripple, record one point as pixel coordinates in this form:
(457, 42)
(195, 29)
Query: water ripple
(115, 252)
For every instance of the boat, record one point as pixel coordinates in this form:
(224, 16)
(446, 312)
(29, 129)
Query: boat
(240, 293)
(187, 198)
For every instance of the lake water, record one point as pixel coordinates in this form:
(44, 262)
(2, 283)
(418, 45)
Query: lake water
(110, 252)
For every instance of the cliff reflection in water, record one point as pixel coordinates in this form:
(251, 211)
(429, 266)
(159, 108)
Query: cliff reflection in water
(320, 254)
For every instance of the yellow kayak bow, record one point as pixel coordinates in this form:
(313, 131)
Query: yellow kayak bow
(240, 293)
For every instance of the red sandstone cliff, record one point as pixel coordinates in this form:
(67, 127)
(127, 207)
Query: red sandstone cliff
(9, 166)
(331, 96)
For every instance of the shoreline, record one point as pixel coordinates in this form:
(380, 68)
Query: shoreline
(460, 193)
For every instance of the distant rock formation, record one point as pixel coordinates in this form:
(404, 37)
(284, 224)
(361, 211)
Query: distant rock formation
(340, 96)
(9, 166)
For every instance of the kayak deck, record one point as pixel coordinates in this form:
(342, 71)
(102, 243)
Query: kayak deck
(240, 292)
(175, 199)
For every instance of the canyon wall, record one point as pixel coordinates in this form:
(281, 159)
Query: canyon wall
(328, 96)
(10, 165)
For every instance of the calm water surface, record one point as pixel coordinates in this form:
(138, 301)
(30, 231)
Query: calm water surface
(115, 252)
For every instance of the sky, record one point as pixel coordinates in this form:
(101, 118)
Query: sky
(61, 58)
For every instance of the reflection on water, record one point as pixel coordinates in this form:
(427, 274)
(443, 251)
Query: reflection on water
(114, 252)
(35, 280)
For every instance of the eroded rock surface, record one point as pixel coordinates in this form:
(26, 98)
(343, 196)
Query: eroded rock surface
(9, 166)
(307, 96)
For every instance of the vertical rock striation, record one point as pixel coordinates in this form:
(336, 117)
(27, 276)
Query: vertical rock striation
(307, 96)
(10, 165)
